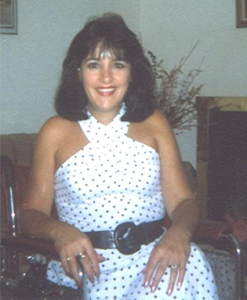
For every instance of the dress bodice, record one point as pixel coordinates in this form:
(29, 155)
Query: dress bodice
(113, 178)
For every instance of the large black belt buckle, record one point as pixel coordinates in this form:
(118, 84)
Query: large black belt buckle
(126, 241)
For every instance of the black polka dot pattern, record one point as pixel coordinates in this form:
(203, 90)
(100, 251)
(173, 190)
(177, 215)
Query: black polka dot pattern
(115, 179)
(121, 278)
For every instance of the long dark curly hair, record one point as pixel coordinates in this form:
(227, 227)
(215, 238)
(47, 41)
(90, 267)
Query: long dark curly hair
(112, 34)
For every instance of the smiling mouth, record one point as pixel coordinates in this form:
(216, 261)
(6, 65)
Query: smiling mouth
(106, 91)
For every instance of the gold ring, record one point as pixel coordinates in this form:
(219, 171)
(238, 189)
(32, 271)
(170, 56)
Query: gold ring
(174, 266)
(69, 258)
(82, 255)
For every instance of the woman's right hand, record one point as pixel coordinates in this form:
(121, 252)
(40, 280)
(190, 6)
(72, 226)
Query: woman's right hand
(70, 243)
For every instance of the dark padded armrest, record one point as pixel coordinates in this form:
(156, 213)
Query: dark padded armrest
(207, 230)
(211, 231)
(25, 243)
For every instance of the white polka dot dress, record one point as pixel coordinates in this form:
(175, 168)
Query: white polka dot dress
(112, 180)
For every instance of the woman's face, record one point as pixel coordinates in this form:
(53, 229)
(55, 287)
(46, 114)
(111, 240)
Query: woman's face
(105, 80)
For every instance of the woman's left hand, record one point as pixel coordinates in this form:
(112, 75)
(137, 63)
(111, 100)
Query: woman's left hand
(172, 251)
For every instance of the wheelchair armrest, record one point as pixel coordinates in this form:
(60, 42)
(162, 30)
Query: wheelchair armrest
(22, 242)
(209, 230)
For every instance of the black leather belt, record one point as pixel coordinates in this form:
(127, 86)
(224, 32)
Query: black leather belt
(127, 237)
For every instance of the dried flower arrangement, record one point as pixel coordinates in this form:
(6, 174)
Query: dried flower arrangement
(175, 93)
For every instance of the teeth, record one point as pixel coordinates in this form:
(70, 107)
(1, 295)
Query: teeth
(106, 90)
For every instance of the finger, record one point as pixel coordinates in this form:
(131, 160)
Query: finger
(74, 271)
(95, 266)
(100, 258)
(180, 280)
(154, 266)
(80, 268)
(172, 280)
(158, 275)
(88, 269)
(148, 271)
(95, 259)
(66, 264)
(90, 262)
(71, 269)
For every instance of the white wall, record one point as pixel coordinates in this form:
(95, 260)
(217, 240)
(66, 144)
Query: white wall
(31, 61)
(172, 28)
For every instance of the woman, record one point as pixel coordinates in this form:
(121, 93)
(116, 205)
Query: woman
(110, 161)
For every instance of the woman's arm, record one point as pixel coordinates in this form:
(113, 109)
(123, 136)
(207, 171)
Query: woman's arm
(180, 203)
(36, 210)
(35, 216)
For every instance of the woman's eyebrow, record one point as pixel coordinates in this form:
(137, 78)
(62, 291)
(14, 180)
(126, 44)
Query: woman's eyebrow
(99, 58)
(92, 58)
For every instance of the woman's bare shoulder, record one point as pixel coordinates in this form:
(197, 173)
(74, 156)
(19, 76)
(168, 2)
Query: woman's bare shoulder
(158, 122)
(56, 123)
(54, 132)
(162, 132)
(56, 127)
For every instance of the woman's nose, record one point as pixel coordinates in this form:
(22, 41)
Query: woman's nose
(106, 75)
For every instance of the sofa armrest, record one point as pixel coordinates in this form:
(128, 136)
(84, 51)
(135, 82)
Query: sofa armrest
(18, 147)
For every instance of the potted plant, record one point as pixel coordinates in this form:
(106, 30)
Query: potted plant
(175, 93)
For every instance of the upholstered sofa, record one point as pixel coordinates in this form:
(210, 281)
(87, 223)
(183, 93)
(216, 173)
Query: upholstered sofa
(18, 147)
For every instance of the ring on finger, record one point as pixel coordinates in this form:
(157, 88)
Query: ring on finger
(81, 255)
(69, 258)
(174, 266)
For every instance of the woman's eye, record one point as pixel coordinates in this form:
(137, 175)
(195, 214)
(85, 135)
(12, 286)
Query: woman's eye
(119, 65)
(92, 65)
